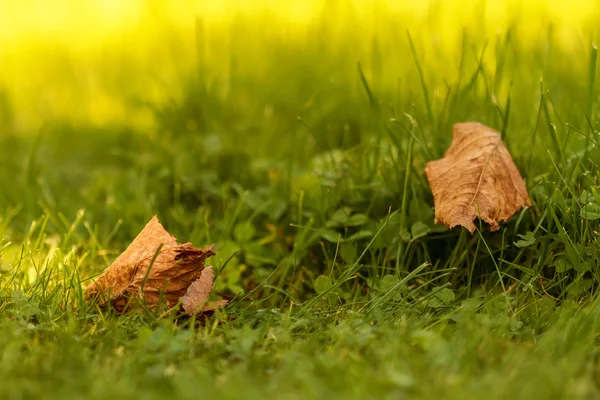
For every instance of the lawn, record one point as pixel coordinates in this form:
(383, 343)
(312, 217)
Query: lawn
(294, 137)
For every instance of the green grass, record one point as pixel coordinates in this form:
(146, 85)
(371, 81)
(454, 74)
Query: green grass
(306, 170)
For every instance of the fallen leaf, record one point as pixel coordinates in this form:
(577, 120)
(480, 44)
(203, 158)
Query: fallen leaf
(195, 299)
(159, 277)
(476, 178)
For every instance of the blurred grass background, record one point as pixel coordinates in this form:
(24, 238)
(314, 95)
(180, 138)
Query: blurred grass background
(100, 62)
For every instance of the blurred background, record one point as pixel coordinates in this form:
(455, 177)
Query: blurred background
(109, 61)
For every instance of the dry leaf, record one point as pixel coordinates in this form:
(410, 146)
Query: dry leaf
(171, 273)
(195, 299)
(476, 178)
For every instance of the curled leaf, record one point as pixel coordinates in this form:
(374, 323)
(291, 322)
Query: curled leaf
(196, 298)
(154, 266)
(476, 178)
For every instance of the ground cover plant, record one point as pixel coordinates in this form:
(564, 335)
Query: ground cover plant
(294, 137)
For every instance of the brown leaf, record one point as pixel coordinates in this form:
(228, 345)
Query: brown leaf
(215, 305)
(175, 267)
(195, 299)
(476, 178)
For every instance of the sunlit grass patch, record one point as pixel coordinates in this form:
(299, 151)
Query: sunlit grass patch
(102, 61)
